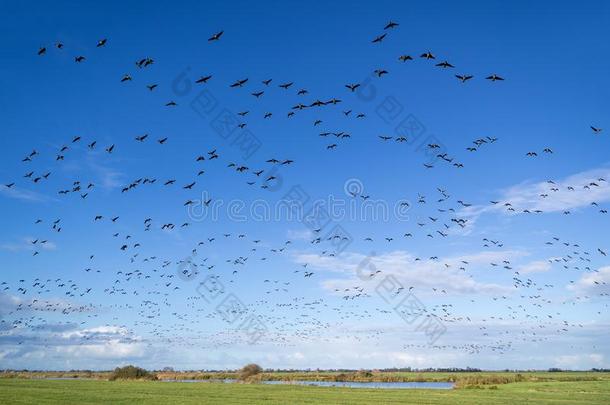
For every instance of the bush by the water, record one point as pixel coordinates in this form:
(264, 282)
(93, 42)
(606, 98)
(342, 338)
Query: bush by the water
(131, 373)
(250, 372)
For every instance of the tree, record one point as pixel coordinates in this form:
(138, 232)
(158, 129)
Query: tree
(248, 372)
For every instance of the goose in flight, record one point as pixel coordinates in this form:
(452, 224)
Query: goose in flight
(494, 78)
(445, 64)
(144, 62)
(203, 79)
(239, 83)
(216, 36)
(464, 78)
(379, 38)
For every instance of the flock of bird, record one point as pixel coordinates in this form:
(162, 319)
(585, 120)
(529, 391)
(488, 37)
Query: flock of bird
(170, 312)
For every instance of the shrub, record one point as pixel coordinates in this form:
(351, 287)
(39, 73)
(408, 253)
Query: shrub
(477, 381)
(131, 373)
(364, 374)
(248, 372)
(340, 377)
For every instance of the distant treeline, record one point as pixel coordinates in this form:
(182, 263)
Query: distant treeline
(382, 370)
(330, 370)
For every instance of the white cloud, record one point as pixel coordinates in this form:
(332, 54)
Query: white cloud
(105, 176)
(112, 349)
(27, 244)
(445, 273)
(64, 346)
(99, 330)
(594, 283)
(22, 194)
(8, 302)
(536, 266)
(580, 361)
(574, 192)
(304, 234)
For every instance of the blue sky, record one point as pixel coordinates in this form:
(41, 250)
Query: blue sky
(553, 57)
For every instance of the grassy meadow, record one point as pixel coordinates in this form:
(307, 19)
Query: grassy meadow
(471, 388)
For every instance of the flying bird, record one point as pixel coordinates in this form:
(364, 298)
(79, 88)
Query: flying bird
(216, 36)
(379, 38)
(464, 78)
(494, 78)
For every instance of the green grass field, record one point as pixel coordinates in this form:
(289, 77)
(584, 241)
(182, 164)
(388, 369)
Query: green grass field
(33, 391)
